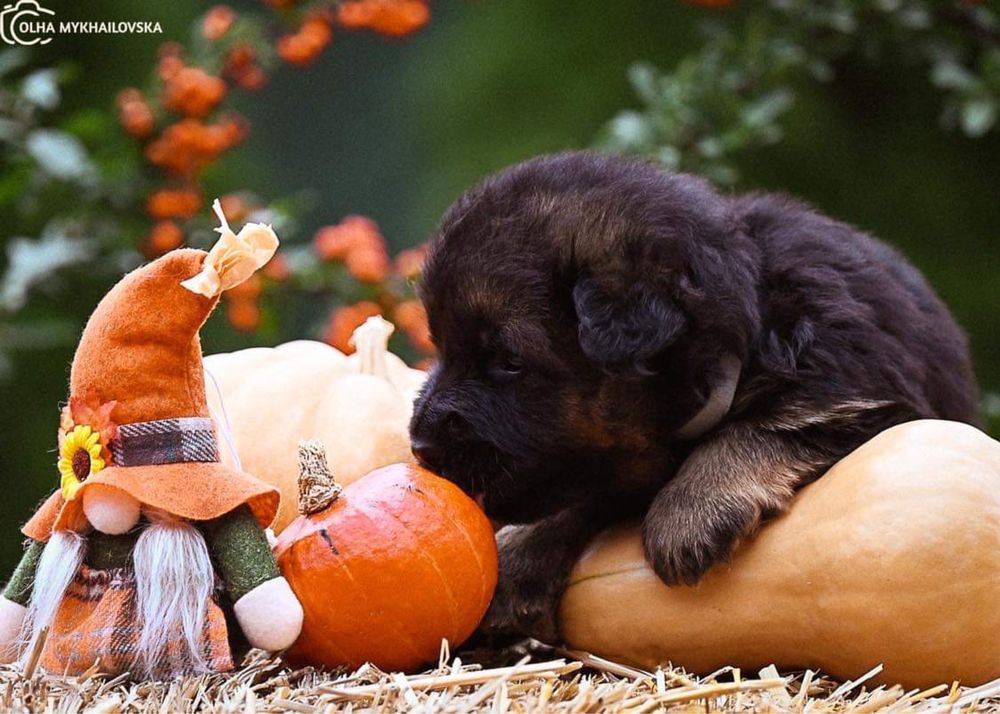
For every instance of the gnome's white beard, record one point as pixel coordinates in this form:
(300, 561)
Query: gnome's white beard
(58, 565)
(174, 580)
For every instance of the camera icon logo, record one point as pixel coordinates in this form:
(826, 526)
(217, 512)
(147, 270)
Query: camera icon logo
(26, 23)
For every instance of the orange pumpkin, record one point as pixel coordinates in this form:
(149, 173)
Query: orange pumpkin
(387, 568)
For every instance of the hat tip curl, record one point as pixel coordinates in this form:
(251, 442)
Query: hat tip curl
(234, 257)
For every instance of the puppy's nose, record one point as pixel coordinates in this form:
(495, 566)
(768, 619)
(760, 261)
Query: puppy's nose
(427, 453)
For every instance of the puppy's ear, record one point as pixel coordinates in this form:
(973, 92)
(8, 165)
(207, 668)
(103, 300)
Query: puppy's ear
(622, 330)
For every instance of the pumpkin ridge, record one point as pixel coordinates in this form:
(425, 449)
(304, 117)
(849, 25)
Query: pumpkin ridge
(453, 601)
(484, 596)
(359, 593)
(609, 574)
(409, 642)
(324, 638)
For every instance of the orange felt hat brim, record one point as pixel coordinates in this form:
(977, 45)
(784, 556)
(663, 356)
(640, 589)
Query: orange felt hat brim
(196, 491)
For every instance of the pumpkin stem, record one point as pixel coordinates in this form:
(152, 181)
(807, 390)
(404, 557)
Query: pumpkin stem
(371, 340)
(317, 487)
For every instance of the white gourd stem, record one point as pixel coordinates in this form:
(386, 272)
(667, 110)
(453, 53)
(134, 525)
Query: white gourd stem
(371, 340)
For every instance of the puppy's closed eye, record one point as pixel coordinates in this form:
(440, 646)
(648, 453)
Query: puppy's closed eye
(506, 365)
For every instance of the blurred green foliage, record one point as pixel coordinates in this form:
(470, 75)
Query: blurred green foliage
(731, 94)
(876, 125)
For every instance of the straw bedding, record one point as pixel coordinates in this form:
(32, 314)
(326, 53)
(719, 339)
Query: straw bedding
(530, 678)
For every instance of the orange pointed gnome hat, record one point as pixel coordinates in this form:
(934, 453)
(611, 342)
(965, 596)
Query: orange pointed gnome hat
(137, 418)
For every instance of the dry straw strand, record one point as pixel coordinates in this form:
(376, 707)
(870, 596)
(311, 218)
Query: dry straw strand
(570, 682)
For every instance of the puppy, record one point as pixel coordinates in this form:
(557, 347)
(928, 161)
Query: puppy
(619, 342)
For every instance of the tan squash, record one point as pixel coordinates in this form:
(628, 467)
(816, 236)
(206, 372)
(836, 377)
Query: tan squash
(892, 557)
(358, 406)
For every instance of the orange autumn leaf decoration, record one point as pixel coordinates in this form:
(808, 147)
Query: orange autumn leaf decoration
(90, 411)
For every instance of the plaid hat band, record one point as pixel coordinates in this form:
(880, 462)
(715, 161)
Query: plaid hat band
(165, 441)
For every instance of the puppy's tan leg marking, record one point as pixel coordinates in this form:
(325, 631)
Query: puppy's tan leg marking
(719, 495)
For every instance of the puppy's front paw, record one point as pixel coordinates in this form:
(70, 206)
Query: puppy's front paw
(683, 538)
(514, 614)
(529, 587)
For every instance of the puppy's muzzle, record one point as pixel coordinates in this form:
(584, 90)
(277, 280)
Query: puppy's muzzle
(427, 453)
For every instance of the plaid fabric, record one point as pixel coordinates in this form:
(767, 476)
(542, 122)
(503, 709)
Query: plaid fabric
(165, 441)
(98, 619)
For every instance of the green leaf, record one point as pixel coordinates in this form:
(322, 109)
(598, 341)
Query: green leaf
(978, 116)
(951, 75)
(669, 156)
(630, 129)
(88, 124)
(60, 154)
(643, 78)
(41, 88)
(12, 59)
(768, 108)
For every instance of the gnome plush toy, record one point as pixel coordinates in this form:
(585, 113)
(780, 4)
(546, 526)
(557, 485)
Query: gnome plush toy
(151, 546)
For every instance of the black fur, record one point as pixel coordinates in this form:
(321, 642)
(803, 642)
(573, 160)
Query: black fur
(582, 306)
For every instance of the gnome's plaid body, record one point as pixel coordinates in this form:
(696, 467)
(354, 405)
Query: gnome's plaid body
(98, 621)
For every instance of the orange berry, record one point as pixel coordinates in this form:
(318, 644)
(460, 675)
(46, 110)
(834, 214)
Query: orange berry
(217, 22)
(408, 313)
(368, 264)
(193, 92)
(411, 317)
(305, 45)
(164, 237)
(243, 314)
(173, 203)
(410, 262)
(170, 60)
(233, 129)
(249, 289)
(277, 269)
(332, 243)
(184, 148)
(234, 207)
(392, 18)
(344, 320)
(134, 114)
(251, 79)
(352, 233)
(242, 68)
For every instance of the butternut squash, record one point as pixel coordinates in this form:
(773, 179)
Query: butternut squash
(892, 557)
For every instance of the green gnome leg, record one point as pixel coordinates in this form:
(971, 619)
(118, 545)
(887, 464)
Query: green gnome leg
(268, 613)
(14, 601)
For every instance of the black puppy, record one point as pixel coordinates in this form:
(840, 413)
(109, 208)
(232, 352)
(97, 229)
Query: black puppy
(616, 341)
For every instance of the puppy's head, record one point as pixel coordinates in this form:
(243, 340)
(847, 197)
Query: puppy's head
(580, 305)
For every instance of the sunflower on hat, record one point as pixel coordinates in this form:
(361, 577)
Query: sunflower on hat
(85, 434)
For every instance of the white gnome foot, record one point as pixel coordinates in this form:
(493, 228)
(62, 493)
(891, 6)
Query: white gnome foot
(11, 618)
(110, 510)
(270, 615)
